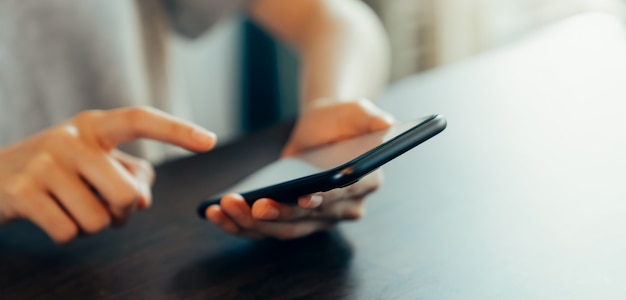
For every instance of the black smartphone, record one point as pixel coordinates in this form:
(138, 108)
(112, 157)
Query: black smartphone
(333, 166)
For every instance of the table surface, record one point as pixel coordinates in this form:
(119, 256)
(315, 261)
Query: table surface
(522, 197)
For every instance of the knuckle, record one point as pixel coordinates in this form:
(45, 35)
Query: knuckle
(63, 138)
(245, 224)
(42, 164)
(176, 128)
(355, 212)
(352, 189)
(137, 116)
(97, 223)
(15, 197)
(138, 113)
(20, 188)
(374, 187)
(126, 197)
(353, 215)
(376, 181)
(87, 116)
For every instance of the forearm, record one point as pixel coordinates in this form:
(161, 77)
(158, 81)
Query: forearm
(344, 54)
(341, 44)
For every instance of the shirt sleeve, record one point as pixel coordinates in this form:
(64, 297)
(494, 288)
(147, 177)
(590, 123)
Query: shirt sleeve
(191, 18)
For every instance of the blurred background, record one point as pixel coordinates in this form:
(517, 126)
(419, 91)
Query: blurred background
(237, 69)
(429, 33)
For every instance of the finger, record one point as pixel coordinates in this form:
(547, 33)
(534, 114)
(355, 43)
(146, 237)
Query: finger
(143, 173)
(238, 210)
(123, 205)
(119, 190)
(378, 119)
(309, 206)
(44, 212)
(215, 214)
(280, 230)
(311, 201)
(83, 206)
(367, 185)
(234, 207)
(365, 117)
(135, 165)
(269, 210)
(127, 124)
(355, 211)
(351, 118)
(380, 123)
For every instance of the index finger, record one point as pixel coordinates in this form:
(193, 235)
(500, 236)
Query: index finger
(127, 124)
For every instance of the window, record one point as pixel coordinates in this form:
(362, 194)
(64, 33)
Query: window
(428, 33)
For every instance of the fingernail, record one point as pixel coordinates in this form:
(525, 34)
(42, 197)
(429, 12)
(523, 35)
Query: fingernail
(234, 209)
(146, 193)
(214, 207)
(270, 213)
(315, 201)
(203, 137)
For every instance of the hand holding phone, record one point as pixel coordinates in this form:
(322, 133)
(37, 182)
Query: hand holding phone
(333, 166)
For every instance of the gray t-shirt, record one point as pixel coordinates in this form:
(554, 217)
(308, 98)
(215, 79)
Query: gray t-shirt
(59, 57)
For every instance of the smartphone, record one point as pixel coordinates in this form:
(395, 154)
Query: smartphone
(332, 166)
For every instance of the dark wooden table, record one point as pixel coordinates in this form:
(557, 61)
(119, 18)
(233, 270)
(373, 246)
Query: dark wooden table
(522, 197)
